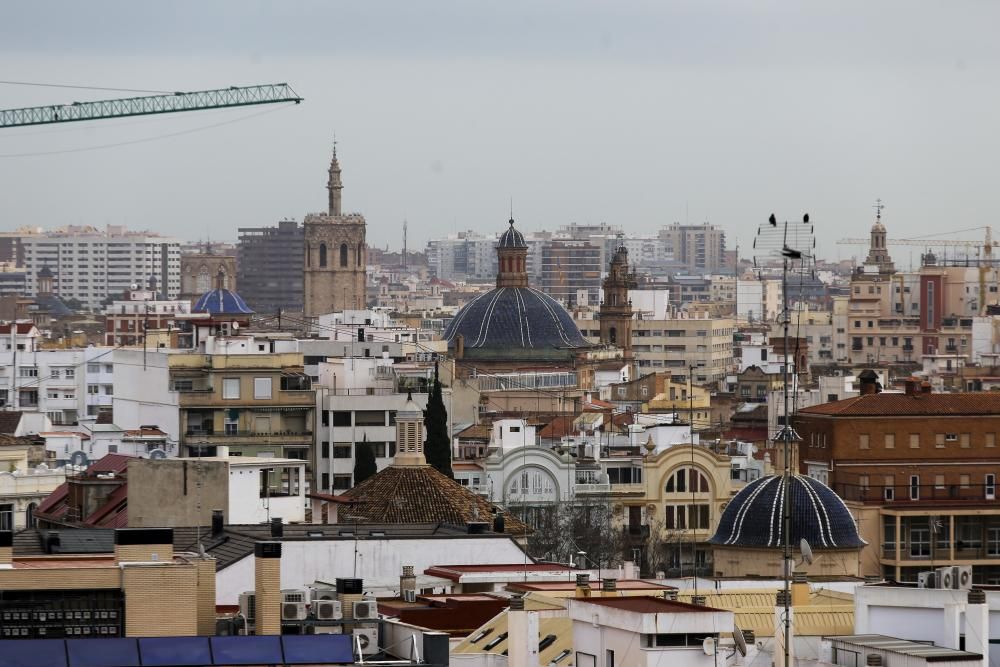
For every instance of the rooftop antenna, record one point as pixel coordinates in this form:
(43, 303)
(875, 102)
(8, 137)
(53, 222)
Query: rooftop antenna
(403, 261)
(793, 244)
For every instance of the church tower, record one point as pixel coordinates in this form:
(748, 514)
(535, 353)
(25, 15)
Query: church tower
(616, 309)
(878, 253)
(335, 271)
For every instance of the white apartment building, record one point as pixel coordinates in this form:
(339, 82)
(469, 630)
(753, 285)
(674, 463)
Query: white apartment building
(90, 265)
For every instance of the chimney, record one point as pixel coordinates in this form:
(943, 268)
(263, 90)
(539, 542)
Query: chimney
(6, 549)
(218, 522)
(139, 545)
(977, 626)
(779, 632)
(522, 634)
(267, 587)
(498, 523)
(800, 589)
(911, 386)
(609, 587)
(868, 382)
(350, 591)
(925, 387)
(583, 585)
(277, 529)
(408, 581)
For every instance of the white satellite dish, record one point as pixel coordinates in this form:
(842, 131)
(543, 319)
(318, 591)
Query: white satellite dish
(806, 550)
(708, 646)
(236, 326)
(741, 641)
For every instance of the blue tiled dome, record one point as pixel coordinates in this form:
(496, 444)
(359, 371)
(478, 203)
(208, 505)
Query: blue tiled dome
(753, 517)
(221, 301)
(515, 323)
(511, 238)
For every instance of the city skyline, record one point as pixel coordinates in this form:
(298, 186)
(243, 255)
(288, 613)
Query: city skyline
(638, 115)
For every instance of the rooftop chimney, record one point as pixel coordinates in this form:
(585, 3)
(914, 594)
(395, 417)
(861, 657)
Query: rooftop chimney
(267, 587)
(868, 382)
(609, 587)
(582, 585)
(277, 528)
(977, 626)
(218, 522)
(522, 634)
(144, 544)
(925, 387)
(407, 582)
(911, 386)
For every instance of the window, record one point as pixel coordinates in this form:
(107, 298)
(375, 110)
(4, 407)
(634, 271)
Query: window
(29, 372)
(343, 254)
(93, 368)
(230, 388)
(94, 389)
(914, 487)
(863, 482)
(969, 533)
(993, 541)
(863, 441)
(341, 482)
(70, 373)
(56, 372)
(369, 418)
(325, 452)
(914, 441)
(964, 481)
(341, 451)
(890, 440)
(179, 385)
(965, 440)
(889, 532)
(889, 488)
(326, 481)
(687, 480)
(322, 254)
(262, 388)
(938, 481)
(951, 437)
(990, 486)
(6, 516)
(920, 541)
(990, 439)
(341, 418)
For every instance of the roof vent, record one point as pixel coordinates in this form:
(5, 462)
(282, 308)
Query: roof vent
(873, 660)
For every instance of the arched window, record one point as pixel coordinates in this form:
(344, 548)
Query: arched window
(687, 480)
(29, 518)
(322, 254)
(343, 254)
(612, 335)
(361, 254)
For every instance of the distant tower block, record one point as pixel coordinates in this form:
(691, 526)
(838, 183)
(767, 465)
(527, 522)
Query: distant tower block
(336, 254)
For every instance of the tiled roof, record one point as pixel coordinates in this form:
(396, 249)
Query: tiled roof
(22, 327)
(9, 421)
(559, 427)
(421, 494)
(476, 432)
(903, 405)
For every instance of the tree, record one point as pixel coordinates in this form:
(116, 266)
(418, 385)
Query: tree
(364, 461)
(437, 446)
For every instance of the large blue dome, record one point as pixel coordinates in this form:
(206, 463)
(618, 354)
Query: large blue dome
(753, 517)
(220, 301)
(515, 323)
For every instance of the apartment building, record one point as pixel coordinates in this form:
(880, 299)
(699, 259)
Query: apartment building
(923, 465)
(128, 319)
(570, 268)
(270, 265)
(90, 266)
(699, 248)
(676, 344)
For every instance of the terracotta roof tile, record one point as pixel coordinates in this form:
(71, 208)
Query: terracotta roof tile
(902, 405)
(9, 421)
(421, 494)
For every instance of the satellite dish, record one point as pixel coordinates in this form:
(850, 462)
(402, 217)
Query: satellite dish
(157, 454)
(79, 458)
(708, 646)
(236, 326)
(741, 641)
(806, 550)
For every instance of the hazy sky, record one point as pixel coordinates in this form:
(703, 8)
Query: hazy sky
(633, 113)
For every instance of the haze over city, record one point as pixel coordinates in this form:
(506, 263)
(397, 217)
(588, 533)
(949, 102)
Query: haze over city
(636, 114)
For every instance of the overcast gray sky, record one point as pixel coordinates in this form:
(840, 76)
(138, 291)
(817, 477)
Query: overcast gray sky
(633, 113)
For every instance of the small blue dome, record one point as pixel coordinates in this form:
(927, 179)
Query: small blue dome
(515, 323)
(511, 238)
(753, 517)
(222, 301)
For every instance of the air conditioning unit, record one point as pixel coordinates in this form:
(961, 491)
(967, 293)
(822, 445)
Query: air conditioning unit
(963, 577)
(327, 610)
(409, 596)
(323, 593)
(293, 611)
(926, 579)
(366, 639)
(365, 610)
(947, 577)
(323, 630)
(294, 595)
(248, 606)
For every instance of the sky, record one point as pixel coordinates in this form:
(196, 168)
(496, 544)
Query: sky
(449, 112)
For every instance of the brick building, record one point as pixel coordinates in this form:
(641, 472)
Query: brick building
(927, 462)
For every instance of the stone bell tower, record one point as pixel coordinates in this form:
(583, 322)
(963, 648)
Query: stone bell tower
(616, 309)
(335, 271)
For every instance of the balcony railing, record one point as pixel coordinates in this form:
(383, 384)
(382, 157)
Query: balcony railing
(586, 488)
(902, 494)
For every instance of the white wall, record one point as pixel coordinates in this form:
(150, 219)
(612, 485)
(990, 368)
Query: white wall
(142, 392)
(246, 506)
(372, 559)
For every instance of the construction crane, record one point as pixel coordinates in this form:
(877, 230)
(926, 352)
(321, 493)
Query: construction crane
(985, 246)
(222, 98)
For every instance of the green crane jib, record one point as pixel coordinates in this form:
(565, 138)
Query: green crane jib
(150, 104)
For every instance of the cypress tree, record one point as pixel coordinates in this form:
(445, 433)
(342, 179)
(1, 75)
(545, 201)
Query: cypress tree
(364, 461)
(437, 446)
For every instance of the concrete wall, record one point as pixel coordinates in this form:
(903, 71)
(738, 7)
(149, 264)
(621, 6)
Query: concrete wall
(377, 561)
(168, 492)
(142, 392)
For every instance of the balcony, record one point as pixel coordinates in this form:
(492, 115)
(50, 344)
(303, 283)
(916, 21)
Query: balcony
(591, 488)
(209, 399)
(951, 494)
(236, 438)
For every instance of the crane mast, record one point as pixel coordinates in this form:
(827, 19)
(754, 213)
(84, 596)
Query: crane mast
(234, 96)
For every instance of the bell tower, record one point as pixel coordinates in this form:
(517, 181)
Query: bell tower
(616, 309)
(335, 275)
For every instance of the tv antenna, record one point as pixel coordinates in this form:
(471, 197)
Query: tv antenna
(792, 246)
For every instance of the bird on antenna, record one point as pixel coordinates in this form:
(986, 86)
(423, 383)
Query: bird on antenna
(805, 218)
(773, 220)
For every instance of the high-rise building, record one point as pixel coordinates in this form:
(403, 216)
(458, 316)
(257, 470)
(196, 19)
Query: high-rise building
(270, 263)
(336, 275)
(571, 267)
(699, 248)
(89, 265)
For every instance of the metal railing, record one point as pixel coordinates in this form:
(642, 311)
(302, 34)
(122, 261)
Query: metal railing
(905, 493)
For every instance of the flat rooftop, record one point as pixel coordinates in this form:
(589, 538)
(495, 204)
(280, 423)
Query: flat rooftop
(928, 652)
(647, 604)
(620, 584)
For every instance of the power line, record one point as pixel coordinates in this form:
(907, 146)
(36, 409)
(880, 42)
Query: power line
(39, 84)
